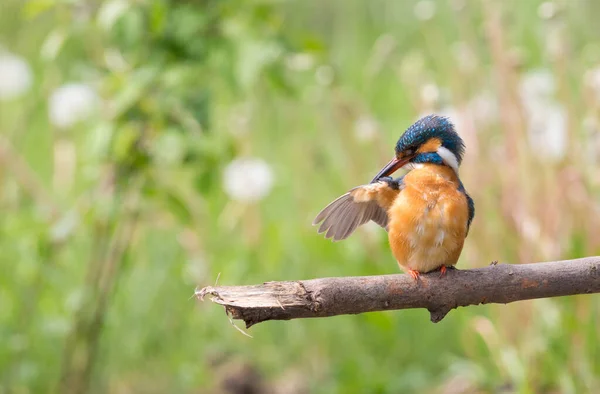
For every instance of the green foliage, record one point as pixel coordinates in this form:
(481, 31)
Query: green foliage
(110, 221)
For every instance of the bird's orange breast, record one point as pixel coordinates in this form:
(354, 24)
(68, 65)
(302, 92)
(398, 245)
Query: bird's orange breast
(428, 219)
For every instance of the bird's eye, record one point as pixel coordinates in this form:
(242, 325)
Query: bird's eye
(409, 152)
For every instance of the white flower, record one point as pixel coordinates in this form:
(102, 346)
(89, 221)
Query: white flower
(71, 103)
(484, 108)
(546, 118)
(430, 94)
(300, 61)
(365, 128)
(169, 148)
(411, 68)
(15, 76)
(537, 88)
(547, 132)
(324, 75)
(547, 10)
(64, 227)
(592, 79)
(247, 179)
(465, 57)
(424, 10)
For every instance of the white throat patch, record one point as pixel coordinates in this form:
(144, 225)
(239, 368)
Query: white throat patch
(449, 158)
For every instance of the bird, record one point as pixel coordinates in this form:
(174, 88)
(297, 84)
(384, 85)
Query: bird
(427, 212)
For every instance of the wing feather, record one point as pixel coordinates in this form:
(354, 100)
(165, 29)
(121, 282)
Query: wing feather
(380, 217)
(346, 213)
(336, 212)
(325, 212)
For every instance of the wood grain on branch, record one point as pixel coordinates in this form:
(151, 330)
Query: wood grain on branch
(500, 283)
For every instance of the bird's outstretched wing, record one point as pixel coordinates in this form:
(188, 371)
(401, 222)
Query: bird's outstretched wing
(359, 205)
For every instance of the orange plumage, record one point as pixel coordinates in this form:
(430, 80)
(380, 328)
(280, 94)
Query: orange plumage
(428, 220)
(427, 213)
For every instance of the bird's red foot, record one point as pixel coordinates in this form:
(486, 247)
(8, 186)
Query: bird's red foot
(415, 274)
(443, 270)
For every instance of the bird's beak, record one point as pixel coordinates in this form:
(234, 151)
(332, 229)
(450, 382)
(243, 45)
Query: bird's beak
(391, 167)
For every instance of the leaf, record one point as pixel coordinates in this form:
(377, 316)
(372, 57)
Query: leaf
(53, 44)
(33, 8)
(253, 57)
(277, 78)
(110, 12)
(133, 90)
(177, 207)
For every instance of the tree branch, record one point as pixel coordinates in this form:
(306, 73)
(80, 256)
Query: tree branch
(500, 284)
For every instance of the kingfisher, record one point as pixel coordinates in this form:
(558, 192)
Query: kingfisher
(427, 212)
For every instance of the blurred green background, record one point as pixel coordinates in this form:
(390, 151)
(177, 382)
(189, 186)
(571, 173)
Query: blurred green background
(150, 146)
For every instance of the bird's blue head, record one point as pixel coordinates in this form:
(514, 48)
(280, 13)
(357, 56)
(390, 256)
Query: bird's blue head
(431, 139)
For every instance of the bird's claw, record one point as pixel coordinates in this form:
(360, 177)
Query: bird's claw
(415, 275)
(443, 270)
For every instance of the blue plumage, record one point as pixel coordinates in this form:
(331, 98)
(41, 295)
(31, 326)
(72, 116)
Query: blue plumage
(429, 157)
(432, 126)
(394, 184)
(470, 204)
